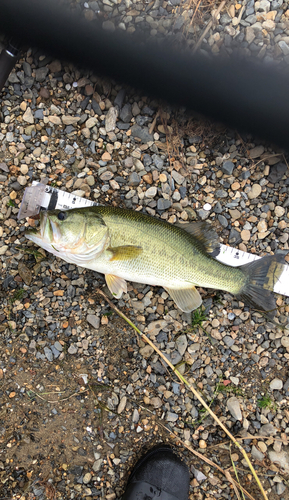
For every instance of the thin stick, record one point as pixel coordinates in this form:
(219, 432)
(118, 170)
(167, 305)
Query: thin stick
(209, 26)
(190, 386)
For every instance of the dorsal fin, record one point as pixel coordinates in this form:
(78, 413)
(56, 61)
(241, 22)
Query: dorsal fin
(204, 235)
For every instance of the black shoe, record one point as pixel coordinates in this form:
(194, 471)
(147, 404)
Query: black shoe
(159, 475)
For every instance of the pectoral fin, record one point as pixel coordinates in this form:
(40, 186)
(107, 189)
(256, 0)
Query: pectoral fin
(187, 299)
(126, 252)
(116, 285)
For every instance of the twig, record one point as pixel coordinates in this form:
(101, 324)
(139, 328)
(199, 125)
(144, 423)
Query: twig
(60, 400)
(209, 26)
(190, 386)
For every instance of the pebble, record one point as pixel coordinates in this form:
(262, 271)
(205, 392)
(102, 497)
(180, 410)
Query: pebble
(276, 384)
(234, 408)
(228, 167)
(255, 191)
(28, 116)
(110, 119)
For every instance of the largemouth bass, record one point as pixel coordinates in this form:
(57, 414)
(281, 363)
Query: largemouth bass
(128, 245)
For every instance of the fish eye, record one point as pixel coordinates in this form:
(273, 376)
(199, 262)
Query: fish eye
(62, 215)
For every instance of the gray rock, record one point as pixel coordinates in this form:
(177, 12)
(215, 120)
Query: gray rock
(27, 68)
(119, 98)
(142, 133)
(58, 346)
(48, 353)
(276, 384)
(126, 113)
(97, 465)
(229, 341)
(72, 349)
(134, 179)
(280, 488)
(174, 357)
(171, 417)
(256, 454)
(38, 114)
(233, 406)
(122, 404)
(93, 320)
(221, 193)
(284, 47)
(223, 221)
(280, 458)
(203, 214)
(13, 78)
(268, 430)
(41, 74)
(181, 344)
(256, 152)
(198, 475)
(55, 352)
(158, 161)
(163, 204)
(276, 172)
(209, 371)
(110, 119)
(135, 416)
(228, 167)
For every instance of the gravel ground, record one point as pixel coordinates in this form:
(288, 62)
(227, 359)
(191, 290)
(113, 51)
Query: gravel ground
(82, 395)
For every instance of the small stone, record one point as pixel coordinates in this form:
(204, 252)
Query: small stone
(279, 211)
(285, 342)
(228, 167)
(72, 349)
(256, 152)
(55, 120)
(28, 116)
(126, 113)
(41, 74)
(256, 454)
(146, 351)
(255, 191)
(134, 179)
(122, 404)
(269, 25)
(142, 133)
(106, 156)
(110, 119)
(171, 417)
(198, 474)
(276, 172)
(276, 384)
(91, 122)
(48, 353)
(281, 459)
(245, 235)
(70, 120)
(163, 204)
(93, 320)
(284, 47)
(202, 444)
(234, 408)
(156, 402)
(97, 465)
(181, 344)
(268, 430)
(151, 192)
(87, 477)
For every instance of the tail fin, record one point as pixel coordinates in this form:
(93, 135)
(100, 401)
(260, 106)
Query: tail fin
(262, 275)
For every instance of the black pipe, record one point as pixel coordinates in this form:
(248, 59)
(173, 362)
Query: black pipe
(243, 95)
(8, 59)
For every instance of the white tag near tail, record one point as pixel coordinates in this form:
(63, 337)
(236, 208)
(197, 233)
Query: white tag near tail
(40, 196)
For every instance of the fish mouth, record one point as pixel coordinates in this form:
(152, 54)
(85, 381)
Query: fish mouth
(46, 230)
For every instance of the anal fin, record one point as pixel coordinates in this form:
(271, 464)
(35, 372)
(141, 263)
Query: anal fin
(187, 299)
(116, 285)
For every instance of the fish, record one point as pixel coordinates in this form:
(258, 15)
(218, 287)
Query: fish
(127, 245)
